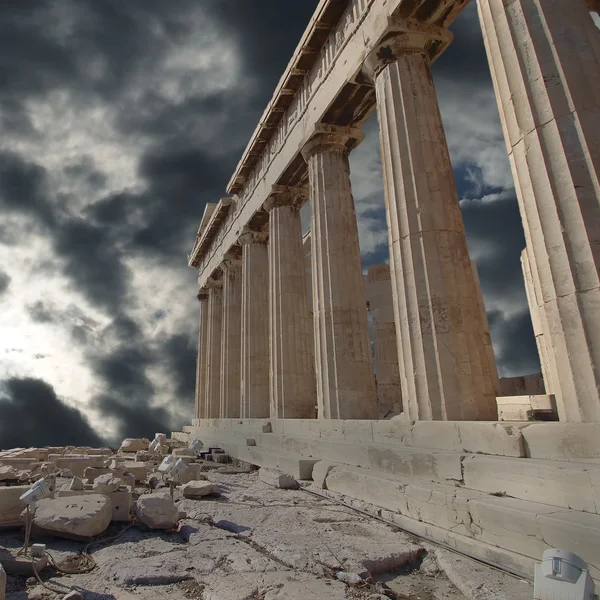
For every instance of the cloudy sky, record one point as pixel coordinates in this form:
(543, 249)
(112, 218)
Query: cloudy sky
(118, 122)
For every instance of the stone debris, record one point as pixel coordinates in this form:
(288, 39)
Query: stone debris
(8, 473)
(75, 517)
(134, 444)
(107, 483)
(157, 511)
(2, 583)
(74, 595)
(76, 485)
(277, 479)
(197, 489)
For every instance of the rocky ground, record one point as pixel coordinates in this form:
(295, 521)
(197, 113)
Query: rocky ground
(251, 541)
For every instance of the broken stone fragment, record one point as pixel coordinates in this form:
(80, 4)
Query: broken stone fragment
(74, 517)
(197, 489)
(8, 473)
(73, 596)
(277, 479)
(76, 485)
(182, 452)
(157, 511)
(145, 456)
(107, 483)
(134, 444)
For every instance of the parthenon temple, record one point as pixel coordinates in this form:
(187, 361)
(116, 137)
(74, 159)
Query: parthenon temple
(382, 386)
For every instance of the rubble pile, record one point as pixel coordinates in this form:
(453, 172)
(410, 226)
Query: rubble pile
(103, 524)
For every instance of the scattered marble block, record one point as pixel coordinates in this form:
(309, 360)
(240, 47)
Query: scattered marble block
(74, 517)
(134, 444)
(10, 505)
(197, 489)
(183, 452)
(19, 566)
(8, 473)
(107, 483)
(157, 511)
(277, 479)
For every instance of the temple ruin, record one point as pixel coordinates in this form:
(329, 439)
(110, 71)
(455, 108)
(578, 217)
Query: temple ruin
(286, 375)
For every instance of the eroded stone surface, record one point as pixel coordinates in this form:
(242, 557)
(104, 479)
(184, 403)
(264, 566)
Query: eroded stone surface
(157, 511)
(75, 516)
(197, 489)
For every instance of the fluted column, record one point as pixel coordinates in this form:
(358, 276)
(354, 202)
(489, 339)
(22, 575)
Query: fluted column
(255, 325)
(231, 348)
(538, 321)
(489, 347)
(387, 371)
(292, 375)
(444, 365)
(213, 348)
(200, 410)
(345, 377)
(545, 62)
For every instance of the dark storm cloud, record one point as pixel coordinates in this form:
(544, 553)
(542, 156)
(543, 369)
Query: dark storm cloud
(4, 282)
(514, 343)
(31, 414)
(24, 189)
(180, 354)
(39, 312)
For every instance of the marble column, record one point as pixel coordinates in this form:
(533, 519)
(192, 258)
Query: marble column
(231, 335)
(344, 367)
(444, 368)
(200, 411)
(255, 325)
(545, 63)
(292, 375)
(489, 347)
(536, 311)
(385, 346)
(213, 348)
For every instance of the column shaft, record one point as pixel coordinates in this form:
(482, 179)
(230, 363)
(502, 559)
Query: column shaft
(213, 346)
(230, 397)
(200, 409)
(545, 65)
(444, 364)
(255, 326)
(292, 387)
(385, 343)
(343, 361)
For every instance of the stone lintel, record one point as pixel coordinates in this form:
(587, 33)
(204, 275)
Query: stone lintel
(406, 36)
(329, 137)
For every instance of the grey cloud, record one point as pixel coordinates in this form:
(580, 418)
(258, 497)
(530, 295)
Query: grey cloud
(4, 282)
(31, 414)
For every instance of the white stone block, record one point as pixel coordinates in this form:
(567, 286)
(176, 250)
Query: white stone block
(562, 441)
(157, 511)
(320, 471)
(10, 505)
(277, 479)
(197, 489)
(81, 516)
(509, 523)
(576, 532)
(557, 483)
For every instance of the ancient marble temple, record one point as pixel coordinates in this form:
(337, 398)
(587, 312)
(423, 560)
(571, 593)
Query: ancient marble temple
(280, 341)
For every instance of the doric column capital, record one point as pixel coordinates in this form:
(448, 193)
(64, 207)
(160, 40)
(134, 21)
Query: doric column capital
(285, 195)
(406, 36)
(202, 294)
(331, 137)
(213, 283)
(252, 236)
